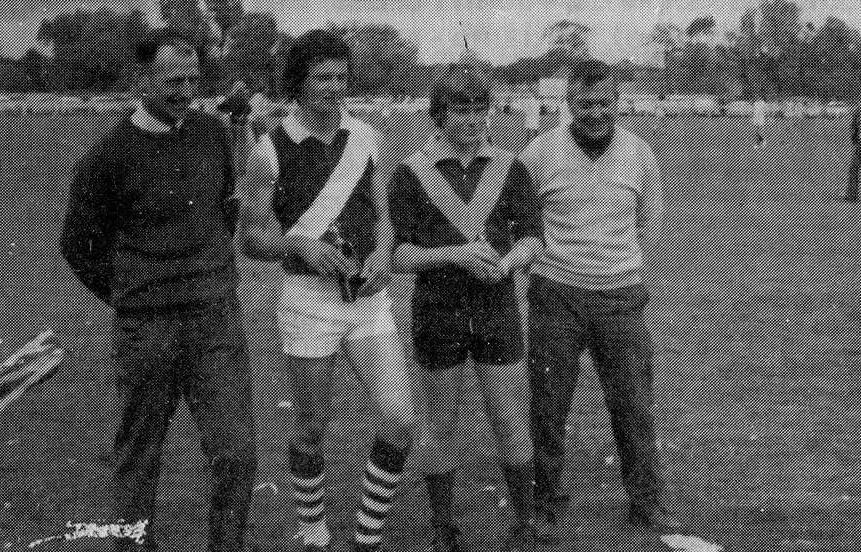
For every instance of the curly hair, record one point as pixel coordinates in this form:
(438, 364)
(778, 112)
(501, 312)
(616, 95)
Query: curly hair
(311, 47)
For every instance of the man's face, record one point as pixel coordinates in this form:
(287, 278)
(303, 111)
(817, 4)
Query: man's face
(593, 108)
(171, 82)
(326, 85)
(465, 124)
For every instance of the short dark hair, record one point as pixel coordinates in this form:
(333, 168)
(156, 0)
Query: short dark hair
(459, 83)
(589, 71)
(311, 47)
(146, 50)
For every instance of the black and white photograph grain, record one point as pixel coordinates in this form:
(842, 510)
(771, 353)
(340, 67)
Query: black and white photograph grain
(430, 276)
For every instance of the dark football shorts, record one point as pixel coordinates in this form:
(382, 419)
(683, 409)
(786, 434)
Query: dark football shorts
(484, 323)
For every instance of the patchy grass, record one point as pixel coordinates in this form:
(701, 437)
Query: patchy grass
(755, 313)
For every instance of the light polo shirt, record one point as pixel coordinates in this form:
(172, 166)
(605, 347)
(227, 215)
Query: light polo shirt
(594, 211)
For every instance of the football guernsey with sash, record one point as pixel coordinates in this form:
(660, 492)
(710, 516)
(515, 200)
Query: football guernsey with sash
(437, 202)
(318, 184)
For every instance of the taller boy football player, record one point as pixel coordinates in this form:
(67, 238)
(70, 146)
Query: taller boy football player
(311, 191)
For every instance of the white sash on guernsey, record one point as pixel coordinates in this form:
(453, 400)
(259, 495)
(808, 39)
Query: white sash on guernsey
(468, 218)
(334, 195)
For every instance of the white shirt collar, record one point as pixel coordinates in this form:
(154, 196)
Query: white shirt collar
(144, 120)
(297, 132)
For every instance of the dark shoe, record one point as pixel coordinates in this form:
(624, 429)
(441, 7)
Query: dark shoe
(446, 538)
(552, 510)
(359, 547)
(317, 548)
(523, 537)
(655, 518)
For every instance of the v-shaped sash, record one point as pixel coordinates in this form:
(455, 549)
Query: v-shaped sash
(469, 218)
(338, 187)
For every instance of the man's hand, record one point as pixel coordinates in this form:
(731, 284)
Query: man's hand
(521, 255)
(323, 258)
(481, 260)
(516, 259)
(377, 273)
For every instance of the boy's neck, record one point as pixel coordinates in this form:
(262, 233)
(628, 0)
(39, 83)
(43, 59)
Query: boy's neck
(322, 124)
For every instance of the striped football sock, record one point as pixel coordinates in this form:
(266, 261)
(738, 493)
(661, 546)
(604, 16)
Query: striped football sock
(382, 476)
(309, 489)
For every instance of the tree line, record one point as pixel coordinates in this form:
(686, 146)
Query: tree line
(773, 53)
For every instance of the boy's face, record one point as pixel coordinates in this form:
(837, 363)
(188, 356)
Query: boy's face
(593, 108)
(326, 85)
(465, 124)
(171, 83)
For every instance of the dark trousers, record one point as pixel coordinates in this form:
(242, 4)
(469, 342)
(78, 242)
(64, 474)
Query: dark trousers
(563, 321)
(200, 355)
(854, 164)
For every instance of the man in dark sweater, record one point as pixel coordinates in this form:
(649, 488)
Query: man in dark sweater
(149, 231)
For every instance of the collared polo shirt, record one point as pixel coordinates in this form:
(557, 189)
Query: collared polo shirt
(417, 220)
(594, 211)
(305, 163)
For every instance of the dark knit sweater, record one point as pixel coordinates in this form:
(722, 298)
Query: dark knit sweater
(151, 217)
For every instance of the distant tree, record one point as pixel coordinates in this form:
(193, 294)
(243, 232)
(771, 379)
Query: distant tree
(92, 49)
(227, 13)
(701, 26)
(250, 49)
(199, 25)
(382, 58)
(34, 65)
(12, 76)
(834, 62)
(669, 39)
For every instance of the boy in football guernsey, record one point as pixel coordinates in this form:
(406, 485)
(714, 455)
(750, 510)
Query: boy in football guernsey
(313, 206)
(465, 219)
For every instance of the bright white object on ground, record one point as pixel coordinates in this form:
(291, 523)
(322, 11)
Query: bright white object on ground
(686, 543)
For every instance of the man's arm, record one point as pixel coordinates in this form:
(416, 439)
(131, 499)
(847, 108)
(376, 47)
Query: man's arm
(650, 209)
(259, 231)
(88, 229)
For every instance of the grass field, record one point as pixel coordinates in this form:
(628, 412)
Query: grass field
(755, 314)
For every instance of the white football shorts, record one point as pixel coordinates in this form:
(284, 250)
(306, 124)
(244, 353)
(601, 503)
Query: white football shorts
(315, 322)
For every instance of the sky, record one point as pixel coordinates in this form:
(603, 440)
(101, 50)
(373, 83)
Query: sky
(498, 30)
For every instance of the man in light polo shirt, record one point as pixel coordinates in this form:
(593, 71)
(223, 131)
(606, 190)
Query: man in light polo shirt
(601, 203)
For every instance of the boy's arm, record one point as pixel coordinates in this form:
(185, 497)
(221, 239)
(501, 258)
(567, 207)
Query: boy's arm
(259, 231)
(479, 258)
